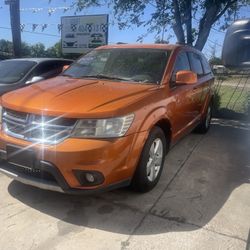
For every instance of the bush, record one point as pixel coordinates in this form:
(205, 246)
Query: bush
(248, 105)
(216, 102)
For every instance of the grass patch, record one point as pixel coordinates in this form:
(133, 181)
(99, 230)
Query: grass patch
(233, 99)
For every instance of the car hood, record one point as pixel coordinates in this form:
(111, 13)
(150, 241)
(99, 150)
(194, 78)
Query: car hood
(76, 97)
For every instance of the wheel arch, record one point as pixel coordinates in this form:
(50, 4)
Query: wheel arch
(165, 125)
(210, 99)
(158, 117)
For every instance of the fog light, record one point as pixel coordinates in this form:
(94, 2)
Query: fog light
(89, 177)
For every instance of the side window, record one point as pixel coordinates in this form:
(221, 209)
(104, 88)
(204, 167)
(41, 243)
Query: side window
(195, 62)
(48, 69)
(206, 66)
(181, 63)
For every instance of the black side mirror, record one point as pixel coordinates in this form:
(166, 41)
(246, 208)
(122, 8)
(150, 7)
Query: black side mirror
(236, 47)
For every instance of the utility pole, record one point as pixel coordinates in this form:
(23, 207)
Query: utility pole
(15, 25)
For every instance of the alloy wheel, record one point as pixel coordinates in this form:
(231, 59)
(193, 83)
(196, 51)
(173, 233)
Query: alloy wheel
(155, 159)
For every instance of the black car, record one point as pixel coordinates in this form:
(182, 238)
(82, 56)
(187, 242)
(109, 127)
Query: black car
(17, 73)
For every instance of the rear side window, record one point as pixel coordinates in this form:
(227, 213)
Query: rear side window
(206, 66)
(196, 65)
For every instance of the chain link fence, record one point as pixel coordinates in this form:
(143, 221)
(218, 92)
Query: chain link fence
(232, 95)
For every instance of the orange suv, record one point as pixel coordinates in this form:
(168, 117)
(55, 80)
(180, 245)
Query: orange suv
(108, 121)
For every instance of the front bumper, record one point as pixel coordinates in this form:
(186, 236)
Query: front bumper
(115, 159)
(60, 185)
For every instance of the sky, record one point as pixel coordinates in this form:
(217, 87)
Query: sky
(51, 35)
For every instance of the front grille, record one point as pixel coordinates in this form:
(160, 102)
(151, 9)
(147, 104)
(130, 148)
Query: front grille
(36, 128)
(35, 173)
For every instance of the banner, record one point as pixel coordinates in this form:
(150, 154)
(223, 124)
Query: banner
(83, 33)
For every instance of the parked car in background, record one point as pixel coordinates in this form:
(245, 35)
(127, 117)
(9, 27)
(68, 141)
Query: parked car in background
(219, 69)
(17, 73)
(108, 121)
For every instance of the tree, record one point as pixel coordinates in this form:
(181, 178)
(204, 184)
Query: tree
(6, 46)
(158, 40)
(215, 61)
(35, 50)
(6, 49)
(26, 49)
(38, 50)
(55, 51)
(176, 14)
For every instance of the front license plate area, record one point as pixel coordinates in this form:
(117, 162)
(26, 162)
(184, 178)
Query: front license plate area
(20, 157)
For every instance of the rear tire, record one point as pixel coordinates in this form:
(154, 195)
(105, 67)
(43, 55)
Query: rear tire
(151, 162)
(206, 121)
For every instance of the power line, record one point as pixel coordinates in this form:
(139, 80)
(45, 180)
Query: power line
(50, 9)
(31, 32)
(220, 45)
(220, 31)
(214, 42)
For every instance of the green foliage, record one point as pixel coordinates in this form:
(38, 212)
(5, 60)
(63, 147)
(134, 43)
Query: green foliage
(221, 77)
(5, 49)
(158, 40)
(55, 51)
(159, 16)
(232, 99)
(25, 50)
(248, 105)
(215, 61)
(36, 50)
(5, 46)
(216, 102)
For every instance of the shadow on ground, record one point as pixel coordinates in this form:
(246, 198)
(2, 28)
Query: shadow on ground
(200, 174)
(226, 113)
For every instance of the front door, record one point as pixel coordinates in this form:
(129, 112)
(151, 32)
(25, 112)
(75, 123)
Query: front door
(182, 107)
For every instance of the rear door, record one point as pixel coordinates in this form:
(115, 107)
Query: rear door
(208, 81)
(200, 88)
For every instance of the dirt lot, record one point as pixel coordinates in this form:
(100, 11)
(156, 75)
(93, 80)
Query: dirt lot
(201, 202)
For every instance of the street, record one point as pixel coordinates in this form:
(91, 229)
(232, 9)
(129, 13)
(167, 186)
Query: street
(201, 202)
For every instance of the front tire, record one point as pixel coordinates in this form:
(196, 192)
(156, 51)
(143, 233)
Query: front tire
(151, 162)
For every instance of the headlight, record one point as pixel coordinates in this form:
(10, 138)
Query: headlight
(103, 128)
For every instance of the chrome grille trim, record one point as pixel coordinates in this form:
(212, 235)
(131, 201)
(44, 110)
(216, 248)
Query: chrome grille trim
(35, 128)
(9, 117)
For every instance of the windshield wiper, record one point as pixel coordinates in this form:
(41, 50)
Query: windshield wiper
(101, 76)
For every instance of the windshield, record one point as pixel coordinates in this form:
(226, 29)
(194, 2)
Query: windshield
(137, 65)
(14, 71)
